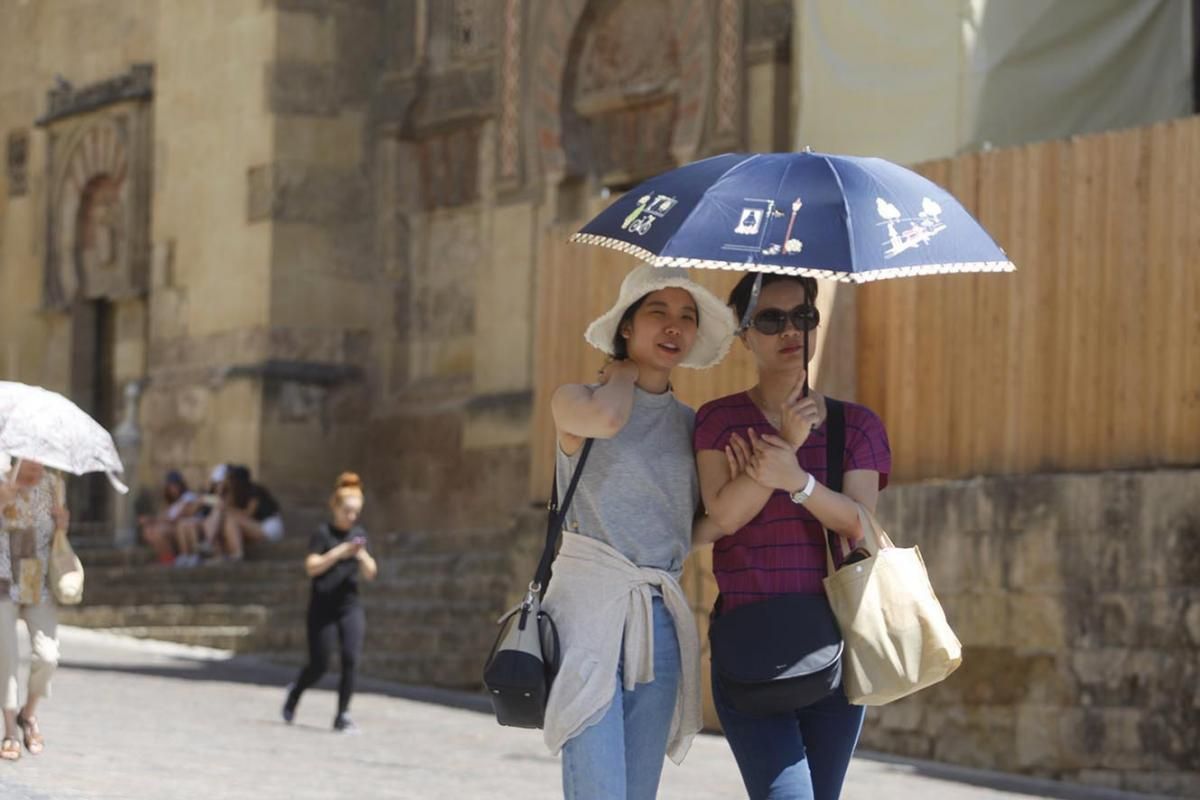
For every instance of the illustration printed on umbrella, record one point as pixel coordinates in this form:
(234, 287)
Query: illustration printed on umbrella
(905, 233)
(650, 208)
(753, 223)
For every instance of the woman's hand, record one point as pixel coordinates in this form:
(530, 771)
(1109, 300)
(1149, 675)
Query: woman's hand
(774, 463)
(738, 455)
(626, 368)
(800, 415)
(594, 412)
(62, 519)
(8, 492)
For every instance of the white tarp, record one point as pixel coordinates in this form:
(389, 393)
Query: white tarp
(923, 79)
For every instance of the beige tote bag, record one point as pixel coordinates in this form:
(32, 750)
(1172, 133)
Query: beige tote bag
(66, 571)
(897, 640)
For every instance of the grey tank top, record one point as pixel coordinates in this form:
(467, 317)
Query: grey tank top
(639, 490)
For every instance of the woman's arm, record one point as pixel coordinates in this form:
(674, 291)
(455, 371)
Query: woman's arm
(774, 465)
(731, 497)
(366, 565)
(316, 565)
(581, 412)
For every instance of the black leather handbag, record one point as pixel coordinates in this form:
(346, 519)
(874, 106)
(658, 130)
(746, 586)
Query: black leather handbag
(784, 653)
(525, 656)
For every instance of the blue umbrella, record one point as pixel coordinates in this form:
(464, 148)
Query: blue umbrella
(842, 218)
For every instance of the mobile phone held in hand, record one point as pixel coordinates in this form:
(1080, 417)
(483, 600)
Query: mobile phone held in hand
(361, 541)
(856, 555)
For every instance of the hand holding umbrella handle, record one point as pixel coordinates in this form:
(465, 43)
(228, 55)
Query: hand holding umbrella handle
(8, 484)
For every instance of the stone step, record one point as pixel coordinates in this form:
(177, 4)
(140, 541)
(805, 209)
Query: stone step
(114, 566)
(222, 637)
(112, 556)
(430, 613)
(239, 582)
(209, 573)
(165, 615)
(269, 595)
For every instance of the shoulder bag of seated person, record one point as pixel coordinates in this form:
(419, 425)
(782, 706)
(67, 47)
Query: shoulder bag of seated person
(525, 657)
(784, 653)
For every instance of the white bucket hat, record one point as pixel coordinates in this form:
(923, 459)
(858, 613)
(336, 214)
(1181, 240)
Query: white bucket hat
(717, 323)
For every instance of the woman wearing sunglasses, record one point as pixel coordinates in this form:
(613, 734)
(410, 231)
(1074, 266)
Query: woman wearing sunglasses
(761, 459)
(628, 689)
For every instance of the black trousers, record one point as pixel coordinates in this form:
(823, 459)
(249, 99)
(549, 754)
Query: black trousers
(328, 627)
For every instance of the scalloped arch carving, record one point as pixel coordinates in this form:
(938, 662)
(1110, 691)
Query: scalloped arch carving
(690, 31)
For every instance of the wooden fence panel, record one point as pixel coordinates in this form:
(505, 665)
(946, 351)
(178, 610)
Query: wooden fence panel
(1088, 357)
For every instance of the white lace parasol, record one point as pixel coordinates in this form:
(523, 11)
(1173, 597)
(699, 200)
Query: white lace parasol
(44, 426)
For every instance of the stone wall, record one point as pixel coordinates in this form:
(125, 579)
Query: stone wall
(1077, 600)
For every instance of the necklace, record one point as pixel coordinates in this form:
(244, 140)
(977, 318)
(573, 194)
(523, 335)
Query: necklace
(776, 418)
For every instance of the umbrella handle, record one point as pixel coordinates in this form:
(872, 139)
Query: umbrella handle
(805, 390)
(11, 477)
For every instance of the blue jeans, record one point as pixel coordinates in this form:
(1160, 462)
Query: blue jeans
(801, 755)
(621, 756)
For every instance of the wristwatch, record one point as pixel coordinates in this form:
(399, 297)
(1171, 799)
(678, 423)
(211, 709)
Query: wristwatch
(799, 497)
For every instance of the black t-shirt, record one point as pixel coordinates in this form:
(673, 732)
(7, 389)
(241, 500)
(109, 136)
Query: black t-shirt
(267, 506)
(337, 586)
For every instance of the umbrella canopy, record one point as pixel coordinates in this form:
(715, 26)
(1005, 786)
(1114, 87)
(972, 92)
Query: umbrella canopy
(825, 216)
(43, 426)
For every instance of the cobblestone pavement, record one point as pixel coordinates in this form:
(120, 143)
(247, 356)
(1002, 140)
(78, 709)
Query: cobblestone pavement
(134, 719)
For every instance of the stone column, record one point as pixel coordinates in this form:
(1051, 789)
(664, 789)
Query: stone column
(128, 438)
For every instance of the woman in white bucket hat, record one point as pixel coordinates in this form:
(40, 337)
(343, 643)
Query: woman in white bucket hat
(628, 688)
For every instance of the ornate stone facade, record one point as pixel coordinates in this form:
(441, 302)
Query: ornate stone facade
(98, 214)
(613, 57)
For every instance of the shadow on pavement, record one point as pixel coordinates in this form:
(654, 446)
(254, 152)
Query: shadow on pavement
(256, 671)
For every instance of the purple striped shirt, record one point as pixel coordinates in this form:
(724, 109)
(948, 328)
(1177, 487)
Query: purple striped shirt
(782, 550)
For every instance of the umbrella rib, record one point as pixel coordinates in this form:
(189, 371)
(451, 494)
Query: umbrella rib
(845, 208)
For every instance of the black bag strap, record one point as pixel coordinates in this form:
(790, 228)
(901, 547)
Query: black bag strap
(558, 513)
(835, 451)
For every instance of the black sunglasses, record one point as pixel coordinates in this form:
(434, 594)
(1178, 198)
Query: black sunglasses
(771, 321)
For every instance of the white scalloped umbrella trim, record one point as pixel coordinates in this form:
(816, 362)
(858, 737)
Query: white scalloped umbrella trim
(808, 272)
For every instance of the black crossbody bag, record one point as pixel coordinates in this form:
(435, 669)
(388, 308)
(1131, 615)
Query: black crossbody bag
(784, 653)
(525, 656)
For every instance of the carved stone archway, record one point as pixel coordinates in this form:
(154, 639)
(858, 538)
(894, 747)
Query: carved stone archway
(98, 205)
(90, 210)
(692, 29)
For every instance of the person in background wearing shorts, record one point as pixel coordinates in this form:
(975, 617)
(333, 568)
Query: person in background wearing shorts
(251, 513)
